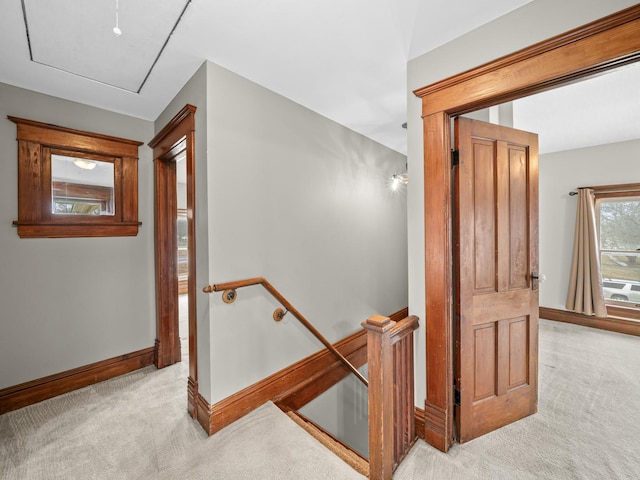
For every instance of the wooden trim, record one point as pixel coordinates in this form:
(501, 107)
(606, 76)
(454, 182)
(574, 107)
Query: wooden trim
(382, 408)
(352, 458)
(325, 378)
(18, 396)
(204, 412)
(419, 422)
(613, 324)
(597, 47)
(291, 387)
(400, 315)
(41, 128)
(593, 48)
(36, 142)
(183, 286)
(177, 136)
(274, 386)
(183, 122)
(289, 308)
(619, 188)
(624, 312)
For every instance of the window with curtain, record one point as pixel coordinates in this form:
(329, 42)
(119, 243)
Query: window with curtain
(618, 216)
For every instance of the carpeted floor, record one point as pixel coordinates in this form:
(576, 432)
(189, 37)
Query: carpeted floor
(587, 426)
(136, 427)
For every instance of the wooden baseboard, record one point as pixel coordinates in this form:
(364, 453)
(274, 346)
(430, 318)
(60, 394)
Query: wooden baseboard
(613, 324)
(204, 414)
(18, 396)
(419, 422)
(239, 404)
(291, 387)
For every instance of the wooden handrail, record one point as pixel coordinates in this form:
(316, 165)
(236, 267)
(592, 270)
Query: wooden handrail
(221, 287)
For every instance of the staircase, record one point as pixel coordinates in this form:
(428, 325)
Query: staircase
(385, 344)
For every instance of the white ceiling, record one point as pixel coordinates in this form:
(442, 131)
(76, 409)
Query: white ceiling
(602, 109)
(343, 59)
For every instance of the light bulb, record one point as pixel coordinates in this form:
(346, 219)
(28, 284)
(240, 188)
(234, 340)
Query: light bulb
(117, 32)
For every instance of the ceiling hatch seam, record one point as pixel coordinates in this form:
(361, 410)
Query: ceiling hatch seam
(147, 75)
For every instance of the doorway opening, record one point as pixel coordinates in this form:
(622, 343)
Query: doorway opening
(174, 166)
(594, 48)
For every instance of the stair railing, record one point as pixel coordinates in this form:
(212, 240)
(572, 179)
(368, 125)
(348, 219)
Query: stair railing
(391, 410)
(229, 295)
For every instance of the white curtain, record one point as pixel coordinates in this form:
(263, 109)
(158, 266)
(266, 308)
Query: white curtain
(585, 286)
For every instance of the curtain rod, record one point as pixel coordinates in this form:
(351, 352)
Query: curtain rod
(629, 187)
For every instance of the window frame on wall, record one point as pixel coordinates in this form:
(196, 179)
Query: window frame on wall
(37, 142)
(616, 308)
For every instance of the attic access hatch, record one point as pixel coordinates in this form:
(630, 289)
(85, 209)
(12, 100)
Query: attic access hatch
(77, 39)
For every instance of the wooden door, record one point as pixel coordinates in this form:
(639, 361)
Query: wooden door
(496, 260)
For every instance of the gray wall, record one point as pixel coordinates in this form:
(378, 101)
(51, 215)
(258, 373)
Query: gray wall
(560, 173)
(195, 93)
(69, 302)
(286, 194)
(304, 202)
(525, 26)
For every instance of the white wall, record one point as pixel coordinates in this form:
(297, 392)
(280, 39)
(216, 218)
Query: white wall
(525, 26)
(69, 302)
(560, 173)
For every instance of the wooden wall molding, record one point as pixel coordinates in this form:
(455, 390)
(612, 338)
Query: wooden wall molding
(18, 396)
(239, 404)
(613, 324)
(419, 418)
(291, 387)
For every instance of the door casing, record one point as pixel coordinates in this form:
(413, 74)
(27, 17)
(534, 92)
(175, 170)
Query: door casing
(599, 46)
(176, 137)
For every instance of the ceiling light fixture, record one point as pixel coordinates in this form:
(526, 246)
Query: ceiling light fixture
(116, 30)
(84, 164)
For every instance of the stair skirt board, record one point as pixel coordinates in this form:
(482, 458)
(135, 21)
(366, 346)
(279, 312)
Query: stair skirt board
(266, 443)
(351, 458)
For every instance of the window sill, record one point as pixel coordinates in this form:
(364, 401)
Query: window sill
(626, 313)
(75, 230)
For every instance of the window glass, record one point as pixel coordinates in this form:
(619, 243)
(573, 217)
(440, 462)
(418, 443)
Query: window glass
(183, 252)
(81, 186)
(619, 234)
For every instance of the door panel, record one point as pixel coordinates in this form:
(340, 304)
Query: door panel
(496, 251)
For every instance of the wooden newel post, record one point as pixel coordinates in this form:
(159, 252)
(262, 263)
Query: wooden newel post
(380, 360)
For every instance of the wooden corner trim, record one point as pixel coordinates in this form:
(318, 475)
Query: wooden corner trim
(28, 393)
(612, 324)
(204, 413)
(183, 122)
(418, 418)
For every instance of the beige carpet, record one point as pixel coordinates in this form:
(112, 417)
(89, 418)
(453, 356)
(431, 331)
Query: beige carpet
(136, 427)
(587, 426)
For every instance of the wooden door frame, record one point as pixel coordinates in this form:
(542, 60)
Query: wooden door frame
(176, 137)
(599, 46)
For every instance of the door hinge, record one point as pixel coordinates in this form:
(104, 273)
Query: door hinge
(456, 396)
(455, 158)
